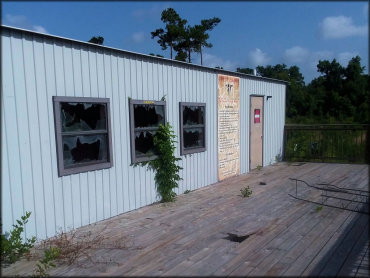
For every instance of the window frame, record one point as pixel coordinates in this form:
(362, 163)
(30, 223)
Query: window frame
(132, 102)
(183, 150)
(88, 166)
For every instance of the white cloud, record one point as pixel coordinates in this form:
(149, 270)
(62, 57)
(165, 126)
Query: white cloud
(213, 61)
(344, 57)
(21, 21)
(258, 58)
(138, 37)
(296, 54)
(336, 27)
(154, 12)
(40, 29)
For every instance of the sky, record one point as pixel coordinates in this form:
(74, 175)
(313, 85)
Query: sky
(249, 34)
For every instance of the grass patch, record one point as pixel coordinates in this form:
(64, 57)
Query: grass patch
(318, 208)
(246, 192)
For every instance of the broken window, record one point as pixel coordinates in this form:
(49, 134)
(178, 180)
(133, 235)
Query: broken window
(145, 118)
(192, 127)
(83, 136)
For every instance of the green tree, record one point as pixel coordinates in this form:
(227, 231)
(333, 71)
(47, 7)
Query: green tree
(157, 55)
(298, 102)
(185, 45)
(245, 70)
(97, 40)
(174, 28)
(194, 38)
(181, 55)
(356, 89)
(200, 35)
(341, 93)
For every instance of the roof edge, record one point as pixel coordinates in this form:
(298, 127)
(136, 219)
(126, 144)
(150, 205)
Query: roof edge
(221, 71)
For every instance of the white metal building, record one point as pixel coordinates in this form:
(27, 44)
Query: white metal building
(70, 127)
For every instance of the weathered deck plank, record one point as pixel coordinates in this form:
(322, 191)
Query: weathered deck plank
(188, 237)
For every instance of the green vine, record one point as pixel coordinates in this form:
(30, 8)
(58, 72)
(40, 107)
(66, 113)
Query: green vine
(165, 168)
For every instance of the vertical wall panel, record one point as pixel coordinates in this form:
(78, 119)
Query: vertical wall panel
(92, 91)
(76, 179)
(42, 108)
(109, 177)
(55, 184)
(123, 90)
(20, 155)
(85, 91)
(66, 77)
(117, 180)
(38, 67)
(8, 100)
(129, 88)
(33, 132)
(101, 187)
(6, 196)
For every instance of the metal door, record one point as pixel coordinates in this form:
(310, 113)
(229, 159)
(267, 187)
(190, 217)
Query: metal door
(256, 132)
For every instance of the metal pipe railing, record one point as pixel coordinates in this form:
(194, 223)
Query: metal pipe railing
(344, 143)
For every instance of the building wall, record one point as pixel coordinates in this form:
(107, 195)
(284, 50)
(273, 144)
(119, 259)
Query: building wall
(36, 67)
(273, 122)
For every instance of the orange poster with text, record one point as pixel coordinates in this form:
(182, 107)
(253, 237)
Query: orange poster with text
(228, 126)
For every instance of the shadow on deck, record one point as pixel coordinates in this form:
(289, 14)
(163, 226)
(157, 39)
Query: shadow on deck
(349, 255)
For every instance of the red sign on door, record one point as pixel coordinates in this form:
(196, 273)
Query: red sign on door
(257, 116)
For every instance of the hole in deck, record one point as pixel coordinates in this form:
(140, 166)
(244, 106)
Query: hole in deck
(237, 238)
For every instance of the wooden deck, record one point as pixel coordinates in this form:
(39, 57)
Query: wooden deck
(287, 237)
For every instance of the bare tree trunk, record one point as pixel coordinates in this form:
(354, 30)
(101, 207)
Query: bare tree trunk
(189, 55)
(171, 50)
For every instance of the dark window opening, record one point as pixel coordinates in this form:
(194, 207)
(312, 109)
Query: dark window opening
(82, 149)
(145, 118)
(148, 115)
(83, 116)
(193, 137)
(83, 134)
(192, 127)
(193, 115)
(144, 145)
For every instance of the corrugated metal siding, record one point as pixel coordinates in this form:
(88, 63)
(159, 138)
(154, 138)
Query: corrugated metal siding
(274, 120)
(36, 67)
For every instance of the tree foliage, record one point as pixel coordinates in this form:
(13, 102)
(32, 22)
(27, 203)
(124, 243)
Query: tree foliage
(200, 35)
(339, 95)
(245, 70)
(157, 55)
(184, 39)
(174, 26)
(297, 101)
(97, 40)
